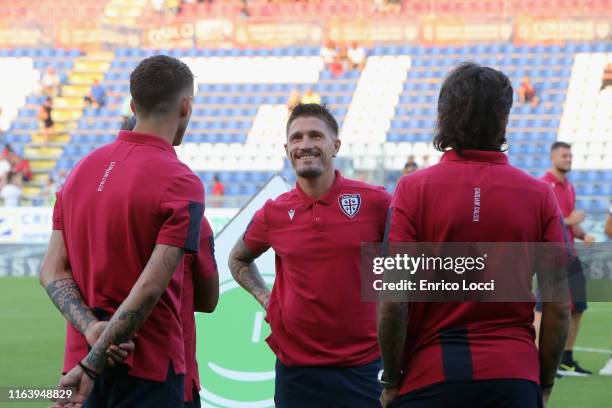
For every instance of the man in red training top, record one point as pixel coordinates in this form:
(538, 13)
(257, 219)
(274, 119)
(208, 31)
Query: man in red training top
(471, 354)
(556, 177)
(122, 223)
(323, 335)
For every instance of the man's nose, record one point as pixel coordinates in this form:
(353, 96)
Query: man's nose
(306, 143)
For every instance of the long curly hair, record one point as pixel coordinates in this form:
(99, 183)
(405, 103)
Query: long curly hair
(473, 109)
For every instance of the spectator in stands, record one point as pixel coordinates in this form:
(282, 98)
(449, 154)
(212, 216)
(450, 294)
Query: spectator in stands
(606, 79)
(45, 118)
(6, 152)
(48, 191)
(20, 166)
(527, 92)
(357, 57)
(410, 167)
(218, 187)
(328, 53)
(337, 67)
(311, 97)
(50, 82)
(11, 193)
(387, 6)
(293, 100)
(97, 95)
(340, 63)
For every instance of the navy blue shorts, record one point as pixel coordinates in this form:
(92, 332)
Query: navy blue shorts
(327, 387)
(195, 401)
(474, 394)
(116, 389)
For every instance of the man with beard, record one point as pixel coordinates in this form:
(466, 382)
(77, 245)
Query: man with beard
(121, 225)
(556, 177)
(323, 335)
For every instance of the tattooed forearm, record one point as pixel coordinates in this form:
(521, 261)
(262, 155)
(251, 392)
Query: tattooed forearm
(245, 272)
(65, 295)
(138, 305)
(120, 329)
(392, 323)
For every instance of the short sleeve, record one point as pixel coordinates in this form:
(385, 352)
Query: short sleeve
(553, 228)
(204, 264)
(401, 225)
(58, 221)
(384, 208)
(182, 209)
(256, 235)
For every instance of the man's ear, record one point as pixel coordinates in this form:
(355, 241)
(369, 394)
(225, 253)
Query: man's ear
(132, 106)
(185, 106)
(337, 144)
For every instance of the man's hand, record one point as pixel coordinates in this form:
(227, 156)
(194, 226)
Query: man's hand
(80, 383)
(588, 239)
(265, 299)
(388, 396)
(576, 217)
(116, 354)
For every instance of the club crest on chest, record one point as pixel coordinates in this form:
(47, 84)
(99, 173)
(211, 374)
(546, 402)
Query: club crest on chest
(350, 204)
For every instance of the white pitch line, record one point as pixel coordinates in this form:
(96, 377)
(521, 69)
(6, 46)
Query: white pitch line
(593, 350)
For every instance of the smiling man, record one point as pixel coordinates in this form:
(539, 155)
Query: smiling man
(323, 335)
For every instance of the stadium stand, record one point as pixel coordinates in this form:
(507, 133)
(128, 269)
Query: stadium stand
(388, 110)
(366, 8)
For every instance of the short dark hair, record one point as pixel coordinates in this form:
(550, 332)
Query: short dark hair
(157, 82)
(473, 109)
(559, 145)
(310, 110)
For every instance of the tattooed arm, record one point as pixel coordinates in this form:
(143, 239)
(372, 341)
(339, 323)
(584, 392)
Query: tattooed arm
(245, 272)
(136, 307)
(125, 322)
(56, 278)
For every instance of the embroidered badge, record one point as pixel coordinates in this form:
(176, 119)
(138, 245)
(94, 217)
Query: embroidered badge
(350, 204)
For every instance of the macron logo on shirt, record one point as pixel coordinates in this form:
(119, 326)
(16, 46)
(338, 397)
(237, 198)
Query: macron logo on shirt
(105, 176)
(476, 211)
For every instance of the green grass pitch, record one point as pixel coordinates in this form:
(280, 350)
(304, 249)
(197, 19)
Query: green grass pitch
(32, 338)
